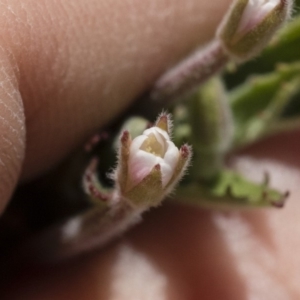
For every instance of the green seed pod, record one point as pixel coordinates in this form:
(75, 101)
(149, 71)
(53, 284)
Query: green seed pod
(212, 128)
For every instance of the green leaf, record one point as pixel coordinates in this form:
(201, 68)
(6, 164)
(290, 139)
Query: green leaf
(231, 190)
(261, 102)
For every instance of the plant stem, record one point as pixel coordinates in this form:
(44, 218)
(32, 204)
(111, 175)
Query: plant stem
(183, 79)
(82, 233)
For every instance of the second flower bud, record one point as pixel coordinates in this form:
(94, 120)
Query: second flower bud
(249, 25)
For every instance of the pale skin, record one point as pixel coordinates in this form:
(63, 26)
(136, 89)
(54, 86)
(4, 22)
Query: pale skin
(69, 67)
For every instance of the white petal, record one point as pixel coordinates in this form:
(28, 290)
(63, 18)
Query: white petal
(172, 155)
(137, 143)
(157, 132)
(169, 163)
(255, 12)
(140, 165)
(141, 162)
(166, 172)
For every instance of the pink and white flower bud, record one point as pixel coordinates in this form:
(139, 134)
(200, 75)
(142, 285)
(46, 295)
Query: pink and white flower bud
(150, 165)
(250, 24)
(149, 149)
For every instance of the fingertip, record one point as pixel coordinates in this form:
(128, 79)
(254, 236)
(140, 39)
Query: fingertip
(83, 62)
(12, 130)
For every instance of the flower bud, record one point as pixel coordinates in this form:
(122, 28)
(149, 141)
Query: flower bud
(150, 165)
(249, 25)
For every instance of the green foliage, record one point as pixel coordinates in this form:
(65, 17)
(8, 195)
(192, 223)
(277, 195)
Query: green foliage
(231, 189)
(264, 98)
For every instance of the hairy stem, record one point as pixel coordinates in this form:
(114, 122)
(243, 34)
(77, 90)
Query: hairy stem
(183, 79)
(85, 232)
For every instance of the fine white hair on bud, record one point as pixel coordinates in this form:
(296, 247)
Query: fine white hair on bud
(250, 24)
(150, 165)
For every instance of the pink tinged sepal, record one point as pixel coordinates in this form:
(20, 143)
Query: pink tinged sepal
(250, 24)
(149, 191)
(97, 194)
(185, 156)
(164, 122)
(122, 168)
(150, 165)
